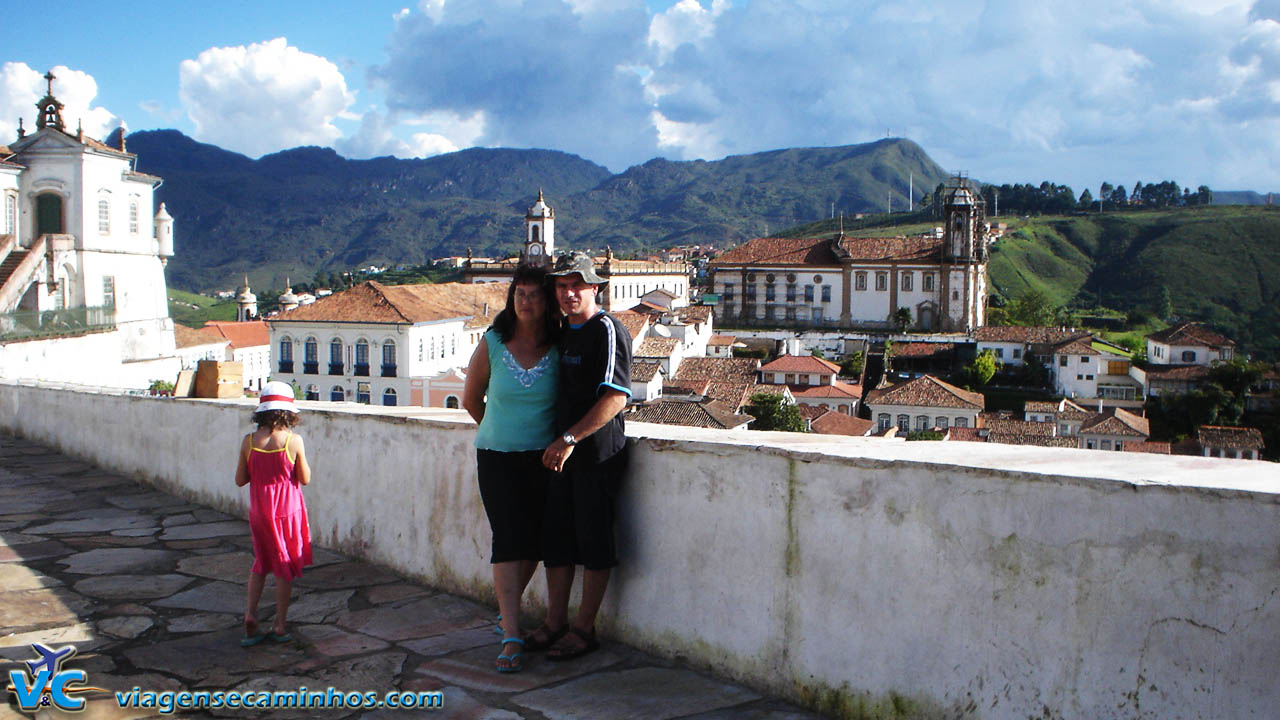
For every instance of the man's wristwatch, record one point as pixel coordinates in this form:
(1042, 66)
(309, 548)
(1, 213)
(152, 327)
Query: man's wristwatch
(569, 439)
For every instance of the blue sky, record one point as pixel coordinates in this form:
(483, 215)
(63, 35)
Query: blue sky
(1187, 90)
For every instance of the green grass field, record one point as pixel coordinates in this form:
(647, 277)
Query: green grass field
(205, 308)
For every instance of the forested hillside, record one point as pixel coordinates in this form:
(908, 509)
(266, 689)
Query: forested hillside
(1218, 264)
(307, 211)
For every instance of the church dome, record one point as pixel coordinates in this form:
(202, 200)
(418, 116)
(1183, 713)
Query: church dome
(540, 209)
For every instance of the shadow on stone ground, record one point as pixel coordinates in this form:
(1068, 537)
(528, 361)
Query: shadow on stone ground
(150, 589)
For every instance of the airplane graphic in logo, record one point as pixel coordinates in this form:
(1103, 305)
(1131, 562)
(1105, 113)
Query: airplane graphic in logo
(49, 658)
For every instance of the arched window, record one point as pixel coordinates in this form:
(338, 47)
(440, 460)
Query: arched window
(389, 397)
(104, 216)
(922, 422)
(942, 422)
(388, 358)
(451, 402)
(313, 392)
(311, 356)
(337, 394)
(904, 423)
(335, 356)
(534, 233)
(883, 421)
(133, 216)
(286, 354)
(962, 422)
(362, 357)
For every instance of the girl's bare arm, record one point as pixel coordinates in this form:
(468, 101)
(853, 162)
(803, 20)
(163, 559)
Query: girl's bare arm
(301, 468)
(242, 463)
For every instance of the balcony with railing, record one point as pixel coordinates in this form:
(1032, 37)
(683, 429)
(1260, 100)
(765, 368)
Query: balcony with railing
(863, 577)
(33, 324)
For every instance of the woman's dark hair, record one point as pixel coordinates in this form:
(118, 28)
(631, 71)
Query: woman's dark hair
(505, 322)
(276, 419)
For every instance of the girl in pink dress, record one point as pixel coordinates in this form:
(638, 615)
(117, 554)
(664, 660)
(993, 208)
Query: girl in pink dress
(273, 463)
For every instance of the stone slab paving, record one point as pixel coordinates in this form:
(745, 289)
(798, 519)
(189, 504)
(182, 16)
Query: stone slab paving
(150, 589)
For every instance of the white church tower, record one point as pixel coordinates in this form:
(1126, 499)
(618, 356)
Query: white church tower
(539, 234)
(83, 236)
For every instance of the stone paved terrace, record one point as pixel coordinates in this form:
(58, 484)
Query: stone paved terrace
(150, 589)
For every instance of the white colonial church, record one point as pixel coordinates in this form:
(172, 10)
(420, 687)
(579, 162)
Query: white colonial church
(82, 256)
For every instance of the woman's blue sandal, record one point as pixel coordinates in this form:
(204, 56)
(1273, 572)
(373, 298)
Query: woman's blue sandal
(514, 664)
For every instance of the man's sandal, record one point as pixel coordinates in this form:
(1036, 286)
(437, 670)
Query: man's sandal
(514, 664)
(562, 650)
(543, 638)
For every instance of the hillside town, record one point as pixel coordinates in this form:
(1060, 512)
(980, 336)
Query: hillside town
(854, 336)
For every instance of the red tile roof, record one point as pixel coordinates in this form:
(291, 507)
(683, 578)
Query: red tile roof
(373, 302)
(1236, 438)
(812, 412)
(1078, 346)
(1183, 373)
(922, 349)
(965, 434)
(734, 393)
(927, 391)
(835, 390)
(185, 337)
(802, 364)
(644, 371)
(242, 334)
(722, 340)
(1154, 448)
(1063, 408)
(719, 369)
(634, 322)
(1026, 334)
(1117, 421)
(836, 423)
(657, 347)
(707, 414)
(1191, 333)
(819, 251)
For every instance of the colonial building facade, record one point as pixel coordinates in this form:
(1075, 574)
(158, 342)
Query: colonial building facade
(940, 279)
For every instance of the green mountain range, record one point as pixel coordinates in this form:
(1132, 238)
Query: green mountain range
(303, 211)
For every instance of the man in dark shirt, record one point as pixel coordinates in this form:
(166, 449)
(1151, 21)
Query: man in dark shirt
(591, 454)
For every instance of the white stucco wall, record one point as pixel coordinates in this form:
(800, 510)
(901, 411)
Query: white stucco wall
(945, 579)
(63, 360)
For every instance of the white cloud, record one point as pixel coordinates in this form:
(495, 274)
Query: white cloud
(384, 135)
(264, 97)
(686, 22)
(21, 87)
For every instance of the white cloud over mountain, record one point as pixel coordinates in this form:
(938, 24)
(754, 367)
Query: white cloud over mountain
(263, 97)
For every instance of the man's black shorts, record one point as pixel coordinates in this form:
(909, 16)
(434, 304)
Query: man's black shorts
(578, 527)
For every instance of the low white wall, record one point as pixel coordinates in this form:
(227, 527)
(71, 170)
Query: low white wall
(863, 578)
(64, 360)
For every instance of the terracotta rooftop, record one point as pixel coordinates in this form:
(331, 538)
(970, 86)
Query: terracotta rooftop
(657, 347)
(819, 251)
(927, 391)
(1177, 372)
(1063, 409)
(1153, 448)
(634, 322)
(185, 337)
(706, 414)
(694, 314)
(1026, 334)
(1235, 438)
(802, 364)
(1191, 333)
(1032, 440)
(733, 393)
(723, 340)
(1077, 346)
(644, 371)
(922, 349)
(835, 423)
(1117, 421)
(691, 387)
(718, 369)
(1004, 426)
(242, 334)
(965, 434)
(373, 302)
(812, 412)
(834, 390)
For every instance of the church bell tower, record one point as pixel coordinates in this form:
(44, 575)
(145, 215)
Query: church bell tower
(539, 234)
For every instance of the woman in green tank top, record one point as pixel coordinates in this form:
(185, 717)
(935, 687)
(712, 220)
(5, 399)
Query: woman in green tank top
(511, 392)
